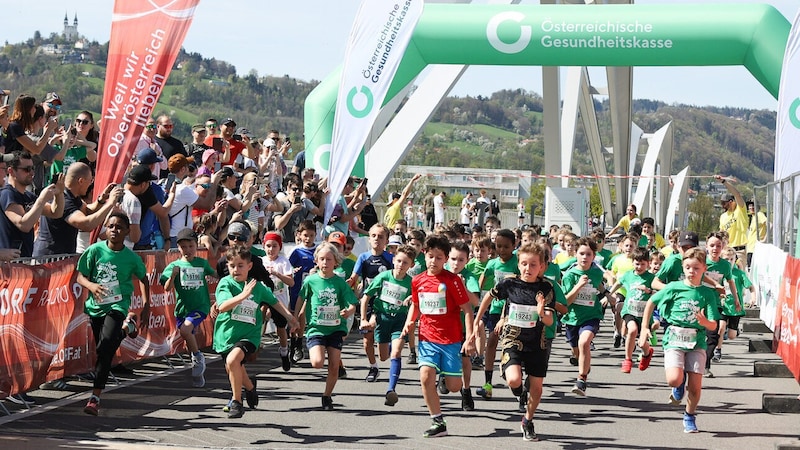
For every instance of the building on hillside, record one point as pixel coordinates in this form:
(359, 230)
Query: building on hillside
(70, 32)
(508, 185)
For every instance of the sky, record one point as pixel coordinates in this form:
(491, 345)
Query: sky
(306, 39)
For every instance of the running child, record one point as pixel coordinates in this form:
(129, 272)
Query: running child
(719, 275)
(325, 302)
(732, 310)
(302, 260)
(622, 264)
(392, 291)
(282, 274)
(437, 296)
(481, 248)
(106, 269)
(187, 276)
(237, 330)
(691, 310)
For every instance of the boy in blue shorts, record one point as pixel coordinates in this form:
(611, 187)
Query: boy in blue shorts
(437, 298)
(187, 276)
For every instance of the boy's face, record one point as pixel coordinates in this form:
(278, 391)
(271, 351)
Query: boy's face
(239, 268)
(655, 265)
(435, 259)
(116, 230)
(457, 260)
(640, 267)
(188, 248)
(585, 256)
(326, 262)
(714, 246)
(272, 248)
(392, 249)
(480, 253)
(307, 238)
(417, 244)
(504, 247)
(378, 239)
(693, 270)
(626, 246)
(399, 228)
(647, 228)
(402, 263)
(526, 239)
(530, 266)
(490, 226)
(348, 248)
(568, 246)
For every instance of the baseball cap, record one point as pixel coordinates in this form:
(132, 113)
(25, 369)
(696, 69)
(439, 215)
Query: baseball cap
(269, 142)
(338, 237)
(239, 229)
(148, 156)
(688, 238)
(177, 162)
(198, 127)
(726, 198)
(7, 158)
(186, 234)
(53, 98)
(244, 132)
(393, 197)
(140, 174)
(229, 172)
(395, 240)
(208, 154)
(228, 121)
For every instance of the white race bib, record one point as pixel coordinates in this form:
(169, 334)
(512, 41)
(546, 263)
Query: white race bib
(434, 303)
(683, 337)
(192, 277)
(523, 316)
(585, 298)
(328, 316)
(393, 294)
(245, 312)
(113, 293)
(636, 307)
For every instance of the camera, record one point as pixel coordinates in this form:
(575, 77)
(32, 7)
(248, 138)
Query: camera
(288, 140)
(216, 144)
(237, 137)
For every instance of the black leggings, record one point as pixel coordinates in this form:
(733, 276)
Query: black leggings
(108, 335)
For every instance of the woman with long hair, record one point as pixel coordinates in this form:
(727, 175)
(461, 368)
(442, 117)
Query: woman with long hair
(79, 143)
(22, 122)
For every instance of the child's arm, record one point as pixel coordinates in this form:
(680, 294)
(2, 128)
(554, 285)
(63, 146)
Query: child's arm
(96, 289)
(468, 348)
(231, 303)
(545, 315)
(487, 300)
(644, 335)
(735, 293)
(281, 308)
(288, 280)
(365, 325)
(573, 294)
(170, 283)
(411, 319)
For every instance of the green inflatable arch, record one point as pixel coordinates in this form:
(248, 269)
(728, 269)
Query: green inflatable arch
(752, 35)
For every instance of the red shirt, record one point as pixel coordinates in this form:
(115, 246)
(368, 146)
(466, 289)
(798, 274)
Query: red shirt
(236, 148)
(439, 299)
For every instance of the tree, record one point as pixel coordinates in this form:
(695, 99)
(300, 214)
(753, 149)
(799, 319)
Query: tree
(703, 215)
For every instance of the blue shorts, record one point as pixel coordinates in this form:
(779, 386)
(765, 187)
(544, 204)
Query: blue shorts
(335, 340)
(574, 332)
(445, 358)
(194, 317)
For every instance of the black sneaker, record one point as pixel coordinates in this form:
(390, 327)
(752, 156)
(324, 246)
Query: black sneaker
(372, 375)
(327, 403)
(286, 363)
(437, 429)
(442, 386)
(617, 340)
(580, 388)
(236, 411)
(251, 397)
(467, 403)
(528, 433)
(523, 401)
(296, 351)
(573, 360)
(412, 358)
(342, 372)
(391, 398)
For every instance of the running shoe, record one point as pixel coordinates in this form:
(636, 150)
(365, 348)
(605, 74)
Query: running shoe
(227, 407)
(485, 391)
(412, 358)
(617, 340)
(199, 381)
(55, 385)
(441, 385)
(327, 403)
(591, 346)
(22, 399)
(372, 375)
(198, 364)
(573, 360)
(708, 373)
(677, 393)
(689, 423)
(528, 433)
(467, 403)
(477, 362)
(627, 364)
(717, 355)
(286, 363)
(644, 362)
(437, 429)
(391, 398)
(92, 406)
(236, 411)
(342, 372)
(579, 388)
(251, 396)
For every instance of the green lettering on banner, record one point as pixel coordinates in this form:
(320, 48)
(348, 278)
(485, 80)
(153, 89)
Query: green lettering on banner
(793, 113)
(355, 112)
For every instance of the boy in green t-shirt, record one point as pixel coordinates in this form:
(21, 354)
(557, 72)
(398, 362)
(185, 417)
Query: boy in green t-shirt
(637, 283)
(237, 330)
(106, 269)
(732, 310)
(497, 269)
(691, 310)
(416, 239)
(391, 290)
(187, 276)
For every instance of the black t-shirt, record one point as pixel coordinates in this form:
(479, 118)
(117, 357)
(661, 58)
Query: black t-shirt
(196, 151)
(518, 292)
(57, 236)
(10, 235)
(258, 271)
(13, 132)
(300, 161)
(171, 146)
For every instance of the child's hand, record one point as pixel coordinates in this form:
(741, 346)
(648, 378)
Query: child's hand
(175, 271)
(644, 337)
(408, 329)
(248, 288)
(293, 323)
(214, 311)
(583, 281)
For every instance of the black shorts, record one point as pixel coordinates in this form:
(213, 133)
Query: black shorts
(335, 340)
(277, 318)
(490, 320)
(631, 318)
(249, 349)
(534, 362)
(733, 321)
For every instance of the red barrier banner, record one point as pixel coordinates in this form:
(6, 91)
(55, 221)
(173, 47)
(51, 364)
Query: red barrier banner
(44, 334)
(146, 37)
(787, 318)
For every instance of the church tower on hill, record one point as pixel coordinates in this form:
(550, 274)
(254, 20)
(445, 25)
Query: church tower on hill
(70, 32)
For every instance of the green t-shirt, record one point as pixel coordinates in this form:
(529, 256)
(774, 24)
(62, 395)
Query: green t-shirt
(567, 263)
(325, 298)
(742, 282)
(636, 299)
(191, 289)
(553, 273)
(419, 265)
(255, 251)
(672, 269)
(476, 267)
(389, 293)
(114, 270)
(586, 305)
(244, 321)
(72, 155)
(678, 304)
(602, 257)
(558, 294)
(345, 269)
(496, 270)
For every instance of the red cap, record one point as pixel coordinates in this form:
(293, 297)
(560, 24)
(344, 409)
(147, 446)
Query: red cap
(274, 237)
(338, 237)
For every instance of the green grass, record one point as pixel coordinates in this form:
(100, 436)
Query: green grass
(493, 132)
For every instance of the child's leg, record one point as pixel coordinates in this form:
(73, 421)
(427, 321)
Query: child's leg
(514, 377)
(187, 333)
(317, 356)
(585, 354)
(369, 347)
(427, 379)
(491, 353)
(334, 356)
(235, 370)
(383, 350)
(694, 388)
(630, 339)
(396, 364)
(674, 376)
(534, 395)
(466, 371)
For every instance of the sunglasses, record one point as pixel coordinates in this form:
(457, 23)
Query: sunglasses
(150, 127)
(205, 185)
(82, 121)
(27, 169)
(236, 237)
(56, 107)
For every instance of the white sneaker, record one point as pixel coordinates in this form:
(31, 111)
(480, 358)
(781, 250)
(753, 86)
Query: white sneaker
(199, 365)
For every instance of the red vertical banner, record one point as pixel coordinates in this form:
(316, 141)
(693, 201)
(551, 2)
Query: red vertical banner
(146, 36)
(787, 317)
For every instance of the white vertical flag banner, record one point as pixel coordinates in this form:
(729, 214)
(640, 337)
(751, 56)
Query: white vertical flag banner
(787, 135)
(379, 37)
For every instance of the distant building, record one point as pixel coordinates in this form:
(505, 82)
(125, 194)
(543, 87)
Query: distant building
(508, 185)
(70, 32)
